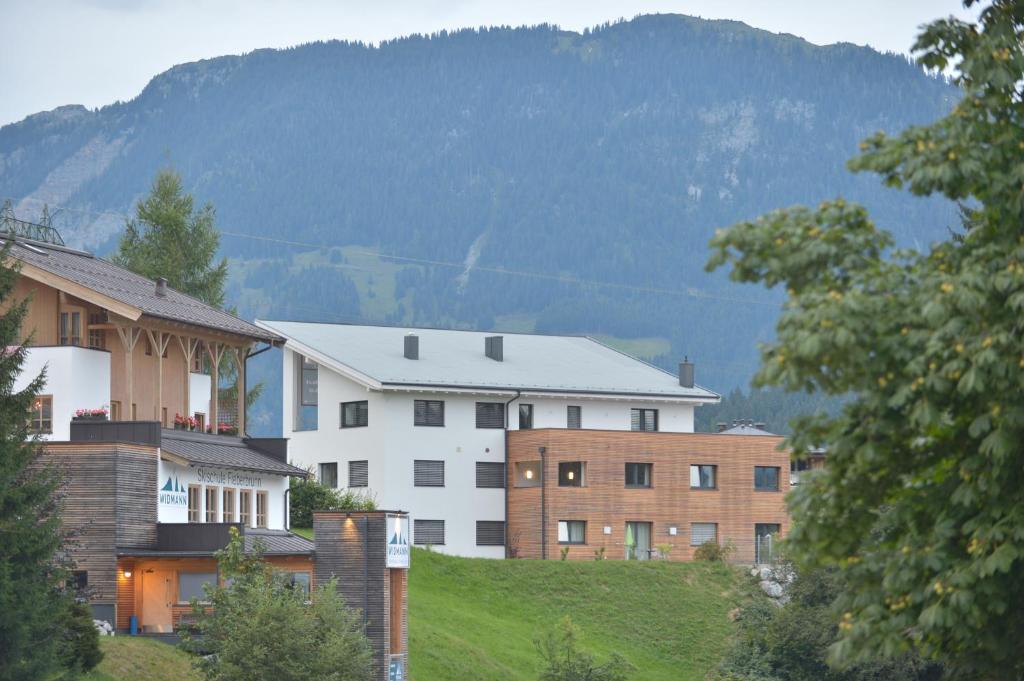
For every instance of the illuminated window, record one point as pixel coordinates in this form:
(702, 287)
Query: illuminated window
(528, 474)
(41, 417)
(571, 473)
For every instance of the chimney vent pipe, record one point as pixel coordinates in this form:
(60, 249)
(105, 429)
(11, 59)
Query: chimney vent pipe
(412, 346)
(686, 373)
(494, 348)
(161, 286)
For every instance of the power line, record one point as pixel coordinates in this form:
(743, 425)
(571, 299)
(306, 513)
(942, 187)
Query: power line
(689, 292)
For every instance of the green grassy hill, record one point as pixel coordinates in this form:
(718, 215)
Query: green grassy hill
(126, 658)
(478, 619)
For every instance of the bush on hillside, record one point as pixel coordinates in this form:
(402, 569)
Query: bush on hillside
(792, 642)
(311, 495)
(564, 661)
(714, 552)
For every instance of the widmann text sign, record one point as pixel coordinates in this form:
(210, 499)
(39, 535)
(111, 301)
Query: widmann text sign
(398, 541)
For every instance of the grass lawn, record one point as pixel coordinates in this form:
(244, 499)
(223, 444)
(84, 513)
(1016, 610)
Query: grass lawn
(126, 658)
(306, 532)
(478, 618)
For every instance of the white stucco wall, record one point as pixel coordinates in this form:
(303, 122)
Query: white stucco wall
(173, 507)
(391, 443)
(76, 377)
(198, 394)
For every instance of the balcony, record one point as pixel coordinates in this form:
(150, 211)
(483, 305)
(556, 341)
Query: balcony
(76, 378)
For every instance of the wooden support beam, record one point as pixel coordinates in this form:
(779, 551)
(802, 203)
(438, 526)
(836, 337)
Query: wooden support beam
(239, 355)
(188, 346)
(158, 340)
(129, 337)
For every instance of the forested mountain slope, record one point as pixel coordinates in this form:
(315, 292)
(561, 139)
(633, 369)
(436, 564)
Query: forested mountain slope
(608, 156)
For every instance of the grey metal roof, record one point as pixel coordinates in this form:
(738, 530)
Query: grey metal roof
(131, 289)
(456, 359)
(277, 542)
(223, 451)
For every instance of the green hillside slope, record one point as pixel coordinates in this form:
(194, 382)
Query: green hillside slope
(478, 619)
(127, 658)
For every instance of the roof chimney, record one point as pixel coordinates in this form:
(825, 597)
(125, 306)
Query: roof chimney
(494, 348)
(686, 373)
(161, 286)
(760, 425)
(412, 346)
(722, 426)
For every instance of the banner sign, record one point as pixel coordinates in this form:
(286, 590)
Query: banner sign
(398, 541)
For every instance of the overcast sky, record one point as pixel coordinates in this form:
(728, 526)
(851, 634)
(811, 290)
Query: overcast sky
(94, 52)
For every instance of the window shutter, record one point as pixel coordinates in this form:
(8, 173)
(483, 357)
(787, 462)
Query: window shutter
(358, 473)
(573, 417)
(490, 474)
(428, 473)
(428, 532)
(428, 412)
(490, 533)
(490, 415)
(702, 533)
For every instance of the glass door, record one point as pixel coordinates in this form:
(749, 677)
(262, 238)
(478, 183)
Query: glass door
(765, 537)
(638, 541)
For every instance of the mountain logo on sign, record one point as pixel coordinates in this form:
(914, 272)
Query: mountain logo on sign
(173, 493)
(175, 487)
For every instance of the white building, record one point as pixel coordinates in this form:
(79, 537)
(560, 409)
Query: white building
(417, 417)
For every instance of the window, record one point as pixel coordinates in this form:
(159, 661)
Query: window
(574, 417)
(643, 419)
(638, 474)
(70, 328)
(190, 585)
(262, 500)
(703, 476)
(490, 474)
(428, 532)
(358, 473)
(490, 533)
(490, 414)
(197, 359)
(211, 505)
(525, 416)
(149, 346)
(570, 473)
(193, 504)
(428, 473)
(766, 478)
(244, 507)
(97, 337)
(428, 413)
(529, 474)
(572, 532)
(163, 420)
(135, 412)
(702, 533)
(199, 416)
(300, 581)
(115, 410)
(306, 406)
(355, 414)
(328, 475)
(79, 581)
(40, 419)
(229, 505)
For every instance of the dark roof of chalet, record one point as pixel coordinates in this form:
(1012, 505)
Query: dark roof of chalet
(223, 451)
(124, 286)
(277, 542)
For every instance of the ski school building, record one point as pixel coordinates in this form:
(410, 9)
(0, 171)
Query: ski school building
(157, 468)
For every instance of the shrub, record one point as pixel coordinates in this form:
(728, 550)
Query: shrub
(714, 552)
(664, 550)
(565, 553)
(82, 641)
(311, 495)
(564, 661)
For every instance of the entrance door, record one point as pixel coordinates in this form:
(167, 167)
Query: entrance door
(638, 541)
(157, 596)
(765, 537)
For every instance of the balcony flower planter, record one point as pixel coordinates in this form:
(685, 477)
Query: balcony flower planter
(185, 423)
(90, 415)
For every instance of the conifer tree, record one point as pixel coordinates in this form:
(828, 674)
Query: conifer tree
(33, 608)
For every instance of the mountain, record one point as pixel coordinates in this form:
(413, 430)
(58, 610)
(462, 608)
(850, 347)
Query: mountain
(504, 166)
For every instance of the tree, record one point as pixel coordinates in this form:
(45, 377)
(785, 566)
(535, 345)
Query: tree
(169, 238)
(921, 506)
(260, 627)
(564, 661)
(33, 607)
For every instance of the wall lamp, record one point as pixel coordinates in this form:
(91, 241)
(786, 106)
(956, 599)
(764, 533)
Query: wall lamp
(127, 574)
